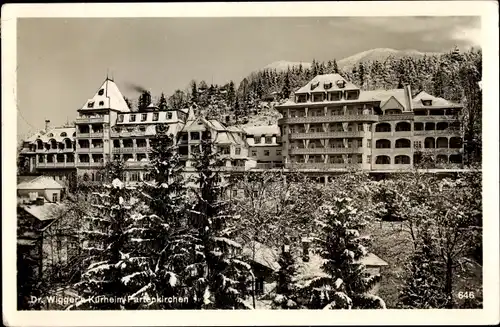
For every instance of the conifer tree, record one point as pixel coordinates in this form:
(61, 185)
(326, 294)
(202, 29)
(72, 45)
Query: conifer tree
(285, 91)
(335, 67)
(194, 92)
(162, 103)
(347, 283)
(144, 100)
(423, 287)
(220, 282)
(286, 297)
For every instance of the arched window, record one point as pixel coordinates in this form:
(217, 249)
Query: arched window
(39, 144)
(68, 144)
(63, 134)
(403, 143)
(50, 135)
(429, 143)
(442, 142)
(74, 134)
(456, 158)
(383, 160)
(53, 144)
(383, 144)
(455, 142)
(442, 158)
(383, 127)
(403, 127)
(430, 126)
(402, 160)
(418, 126)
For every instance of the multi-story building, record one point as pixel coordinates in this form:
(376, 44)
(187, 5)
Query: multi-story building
(328, 125)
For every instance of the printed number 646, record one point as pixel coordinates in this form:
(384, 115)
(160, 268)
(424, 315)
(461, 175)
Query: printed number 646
(466, 295)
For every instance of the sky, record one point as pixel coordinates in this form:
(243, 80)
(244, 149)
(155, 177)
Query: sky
(61, 62)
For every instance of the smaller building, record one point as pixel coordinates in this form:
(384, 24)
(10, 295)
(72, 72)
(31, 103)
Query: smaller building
(30, 189)
(264, 145)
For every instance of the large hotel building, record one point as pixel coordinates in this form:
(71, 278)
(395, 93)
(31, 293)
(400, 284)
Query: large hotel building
(329, 125)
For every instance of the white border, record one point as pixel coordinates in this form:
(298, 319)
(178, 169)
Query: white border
(488, 10)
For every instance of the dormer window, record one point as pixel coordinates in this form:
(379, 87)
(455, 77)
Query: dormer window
(142, 128)
(143, 117)
(90, 104)
(169, 115)
(340, 84)
(155, 116)
(101, 103)
(63, 134)
(131, 118)
(314, 85)
(101, 92)
(120, 118)
(427, 102)
(328, 85)
(50, 135)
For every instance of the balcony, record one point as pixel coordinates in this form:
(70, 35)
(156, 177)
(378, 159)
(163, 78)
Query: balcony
(268, 165)
(136, 164)
(132, 149)
(407, 116)
(323, 166)
(442, 150)
(90, 164)
(435, 118)
(127, 133)
(90, 150)
(96, 135)
(327, 119)
(325, 150)
(87, 120)
(325, 135)
(436, 132)
(82, 135)
(55, 165)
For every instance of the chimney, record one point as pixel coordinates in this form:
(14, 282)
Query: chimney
(305, 249)
(47, 125)
(408, 98)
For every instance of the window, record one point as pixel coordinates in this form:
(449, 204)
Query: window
(131, 118)
(142, 128)
(144, 117)
(369, 143)
(427, 102)
(359, 159)
(169, 115)
(235, 193)
(40, 159)
(90, 104)
(120, 118)
(63, 134)
(101, 103)
(50, 135)
(155, 116)
(254, 153)
(360, 127)
(368, 159)
(101, 92)
(278, 152)
(269, 140)
(237, 151)
(195, 135)
(266, 153)
(369, 127)
(257, 139)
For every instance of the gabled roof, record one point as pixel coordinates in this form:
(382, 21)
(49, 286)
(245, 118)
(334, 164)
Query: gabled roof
(321, 80)
(264, 255)
(384, 96)
(27, 178)
(58, 134)
(436, 101)
(47, 211)
(40, 183)
(108, 96)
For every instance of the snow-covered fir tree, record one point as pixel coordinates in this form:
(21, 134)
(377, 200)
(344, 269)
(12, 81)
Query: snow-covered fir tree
(347, 282)
(221, 272)
(423, 287)
(286, 293)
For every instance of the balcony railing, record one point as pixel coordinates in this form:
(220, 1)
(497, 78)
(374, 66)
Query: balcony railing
(407, 116)
(132, 149)
(324, 135)
(97, 135)
(325, 150)
(65, 150)
(127, 133)
(436, 118)
(82, 135)
(55, 164)
(438, 132)
(326, 119)
(90, 164)
(90, 149)
(442, 150)
(268, 165)
(323, 166)
(83, 120)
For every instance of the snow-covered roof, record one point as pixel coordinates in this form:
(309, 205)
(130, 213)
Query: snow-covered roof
(23, 179)
(262, 130)
(40, 183)
(264, 255)
(108, 96)
(56, 133)
(436, 101)
(47, 211)
(325, 80)
(385, 95)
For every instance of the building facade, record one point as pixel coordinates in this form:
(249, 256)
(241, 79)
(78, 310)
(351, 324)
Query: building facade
(328, 125)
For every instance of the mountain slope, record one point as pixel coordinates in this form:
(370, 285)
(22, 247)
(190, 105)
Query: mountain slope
(381, 54)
